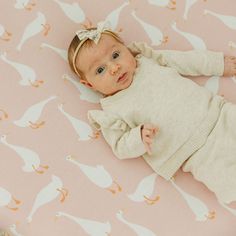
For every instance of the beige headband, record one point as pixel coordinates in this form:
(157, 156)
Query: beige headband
(91, 34)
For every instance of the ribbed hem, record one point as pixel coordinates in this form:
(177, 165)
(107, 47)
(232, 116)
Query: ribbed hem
(195, 142)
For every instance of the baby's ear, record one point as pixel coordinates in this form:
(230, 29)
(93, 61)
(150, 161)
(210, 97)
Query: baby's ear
(86, 83)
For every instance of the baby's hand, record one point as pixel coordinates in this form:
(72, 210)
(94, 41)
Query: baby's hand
(148, 131)
(230, 66)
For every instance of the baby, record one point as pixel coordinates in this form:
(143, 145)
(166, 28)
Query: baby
(149, 109)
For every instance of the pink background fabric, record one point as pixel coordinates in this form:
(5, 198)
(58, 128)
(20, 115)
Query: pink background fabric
(43, 121)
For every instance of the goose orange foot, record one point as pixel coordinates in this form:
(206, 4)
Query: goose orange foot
(64, 194)
(96, 134)
(12, 208)
(165, 39)
(5, 115)
(29, 6)
(37, 171)
(44, 167)
(36, 83)
(16, 201)
(172, 5)
(150, 201)
(118, 186)
(40, 171)
(211, 215)
(36, 125)
(5, 37)
(47, 28)
(111, 190)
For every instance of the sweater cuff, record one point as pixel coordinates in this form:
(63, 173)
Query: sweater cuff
(219, 63)
(139, 147)
(135, 146)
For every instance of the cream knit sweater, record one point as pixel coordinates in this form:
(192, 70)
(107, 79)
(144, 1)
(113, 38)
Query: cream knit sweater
(184, 112)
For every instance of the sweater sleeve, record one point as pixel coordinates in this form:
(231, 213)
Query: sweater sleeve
(191, 63)
(125, 142)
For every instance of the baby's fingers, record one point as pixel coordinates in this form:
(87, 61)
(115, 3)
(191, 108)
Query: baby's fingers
(149, 126)
(148, 148)
(147, 132)
(147, 140)
(150, 131)
(147, 143)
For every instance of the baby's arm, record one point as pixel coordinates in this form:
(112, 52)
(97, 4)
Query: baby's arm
(229, 66)
(189, 63)
(126, 142)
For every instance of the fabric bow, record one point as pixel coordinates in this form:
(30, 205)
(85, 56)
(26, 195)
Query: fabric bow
(94, 34)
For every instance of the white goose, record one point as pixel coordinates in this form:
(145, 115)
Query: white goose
(113, 17)
(138, 229)
(86, 94)
(24, 4)
(48, 194)
(144, 190)
(33, 28)
(198, 207)
(27, 74)
(171, 4)
(229, 21)
(83, 130)
(91, 227)
(4, 35)
(97, 175)
(153, 32)
(73, 11)
(194, 40)
(14, 231)
(31, 116)
(212, 84)
(61, 52)
(30, 158)
(6, 198)
(188, 5)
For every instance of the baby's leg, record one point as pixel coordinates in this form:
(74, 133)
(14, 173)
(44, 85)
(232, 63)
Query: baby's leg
(4, 233)
(215, 163)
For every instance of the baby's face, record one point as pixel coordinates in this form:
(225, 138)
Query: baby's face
(108, 66)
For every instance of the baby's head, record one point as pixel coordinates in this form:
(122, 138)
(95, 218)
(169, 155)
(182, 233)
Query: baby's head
(102, 63)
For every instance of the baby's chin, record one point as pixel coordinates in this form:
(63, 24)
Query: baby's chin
(126, 84)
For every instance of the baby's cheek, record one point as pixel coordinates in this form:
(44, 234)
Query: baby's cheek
(133, 63)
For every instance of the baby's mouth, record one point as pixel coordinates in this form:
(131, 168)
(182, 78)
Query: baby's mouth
(122, 77)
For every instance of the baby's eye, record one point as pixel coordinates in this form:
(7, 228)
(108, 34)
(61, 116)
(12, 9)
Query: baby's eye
(115, 54)
(100, 70)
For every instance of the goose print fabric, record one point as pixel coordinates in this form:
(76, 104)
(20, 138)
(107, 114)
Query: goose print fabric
(58, 177)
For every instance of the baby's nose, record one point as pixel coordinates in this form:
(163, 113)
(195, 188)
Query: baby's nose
(114, 68)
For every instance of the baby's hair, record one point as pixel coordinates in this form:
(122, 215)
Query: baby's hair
(76, 44)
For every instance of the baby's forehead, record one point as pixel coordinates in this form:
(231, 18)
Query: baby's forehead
(106, 42)
(91, 52)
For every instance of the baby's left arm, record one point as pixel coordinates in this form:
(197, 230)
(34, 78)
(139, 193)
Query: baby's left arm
(229, 66)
